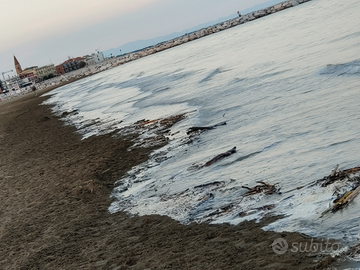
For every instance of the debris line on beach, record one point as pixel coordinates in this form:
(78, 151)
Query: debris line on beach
(198, 130)
(263, 187)
(220, 156)
(352, 176)
(213, 160)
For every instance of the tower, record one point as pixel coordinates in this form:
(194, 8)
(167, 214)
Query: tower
(17, 66)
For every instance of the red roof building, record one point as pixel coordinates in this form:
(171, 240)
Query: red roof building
(69, 65)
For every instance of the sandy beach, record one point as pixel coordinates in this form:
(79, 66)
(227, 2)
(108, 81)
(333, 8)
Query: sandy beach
(54, 199)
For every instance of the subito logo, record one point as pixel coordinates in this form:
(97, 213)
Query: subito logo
(280, 246)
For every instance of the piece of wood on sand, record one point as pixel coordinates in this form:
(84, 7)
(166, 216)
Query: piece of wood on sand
(202, 129)
(263, 187)
(220, 156)
(343, 201)
(337, 175)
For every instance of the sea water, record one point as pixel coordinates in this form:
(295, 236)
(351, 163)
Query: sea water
(287, 86)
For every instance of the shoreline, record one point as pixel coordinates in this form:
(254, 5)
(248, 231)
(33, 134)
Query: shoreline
(54, 208)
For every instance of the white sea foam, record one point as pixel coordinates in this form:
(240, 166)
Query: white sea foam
(291, 124)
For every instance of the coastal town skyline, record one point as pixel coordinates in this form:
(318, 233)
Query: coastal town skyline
(75, 29)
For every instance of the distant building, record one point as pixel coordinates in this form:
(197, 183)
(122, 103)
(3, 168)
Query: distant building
(98, 57)
(94, 58)
(29, 76)
(17, 66)
(34, 73)
(31, 73)
(15, 83)
(44, 71)
(89, 60)
(69, 65)
(27, 81)
(12, 83)
(60, 69)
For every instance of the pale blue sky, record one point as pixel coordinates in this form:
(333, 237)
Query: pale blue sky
(41, 32)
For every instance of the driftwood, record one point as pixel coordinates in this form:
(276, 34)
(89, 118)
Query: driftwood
(263, 187)
(343, 201)
(213, 160)
(161, 122)
(201, 129)
(220, 156)
(255, 210)
(212, 184)
(222, 210)
(206, 197)
(354, 251)
(336, 175)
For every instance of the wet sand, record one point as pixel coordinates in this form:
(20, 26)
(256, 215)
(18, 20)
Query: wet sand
(54, 198)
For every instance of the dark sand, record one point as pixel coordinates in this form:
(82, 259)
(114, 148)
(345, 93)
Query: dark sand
(54, 198)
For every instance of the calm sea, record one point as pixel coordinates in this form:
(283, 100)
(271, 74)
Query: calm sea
(287, 85)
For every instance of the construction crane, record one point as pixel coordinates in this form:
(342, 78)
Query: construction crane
(5, 73)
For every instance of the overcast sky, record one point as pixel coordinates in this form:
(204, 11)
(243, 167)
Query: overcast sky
(40, 32)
